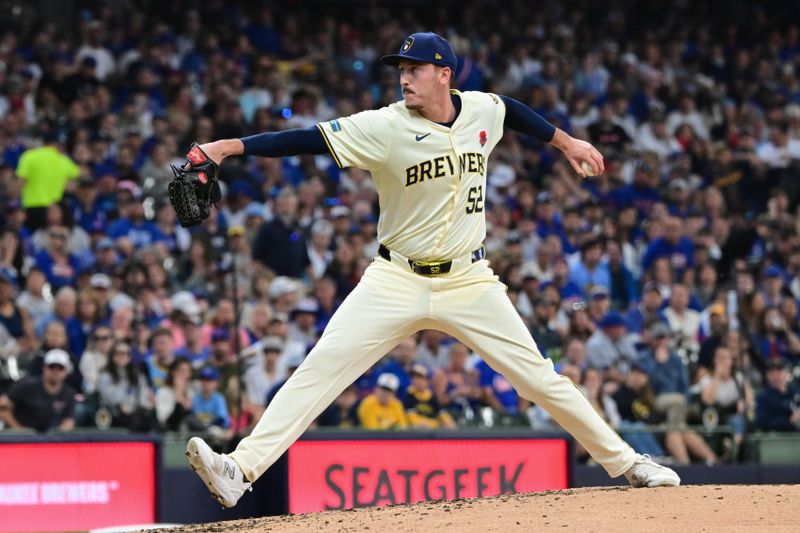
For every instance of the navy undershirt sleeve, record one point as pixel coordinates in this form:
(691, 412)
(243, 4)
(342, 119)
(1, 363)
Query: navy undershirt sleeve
(523, 119)
(285, 143)
(519, 117)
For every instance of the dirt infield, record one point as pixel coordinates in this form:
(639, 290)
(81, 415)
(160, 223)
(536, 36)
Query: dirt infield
(726, 508)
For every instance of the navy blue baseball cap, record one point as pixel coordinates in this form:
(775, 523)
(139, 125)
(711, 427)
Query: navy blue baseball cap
(425, 47)
(208, 373)
(611, 320)
(773, 271)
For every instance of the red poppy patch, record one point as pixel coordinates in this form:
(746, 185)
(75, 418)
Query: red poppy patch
(482, 137)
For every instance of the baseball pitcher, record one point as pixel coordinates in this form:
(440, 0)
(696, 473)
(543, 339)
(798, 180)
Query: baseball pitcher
(428, 155)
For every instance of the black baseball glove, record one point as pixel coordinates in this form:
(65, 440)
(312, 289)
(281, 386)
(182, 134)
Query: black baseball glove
(195, 188)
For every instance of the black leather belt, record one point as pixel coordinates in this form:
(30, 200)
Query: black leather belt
(431, 268)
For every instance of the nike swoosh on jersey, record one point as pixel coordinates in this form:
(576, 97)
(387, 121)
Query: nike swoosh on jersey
(420, 137)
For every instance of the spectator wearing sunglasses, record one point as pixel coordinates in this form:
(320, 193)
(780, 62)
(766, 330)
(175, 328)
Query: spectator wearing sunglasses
(95, 358)
(42, 402)
(122, 389)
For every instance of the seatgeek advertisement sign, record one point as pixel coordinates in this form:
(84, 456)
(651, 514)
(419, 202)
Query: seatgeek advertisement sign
(76, 486)
(345, 474)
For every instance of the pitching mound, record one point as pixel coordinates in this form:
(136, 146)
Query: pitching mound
(745, 508)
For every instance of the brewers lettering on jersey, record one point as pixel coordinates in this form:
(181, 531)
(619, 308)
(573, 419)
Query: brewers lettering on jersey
(428, 156)
(429, 177)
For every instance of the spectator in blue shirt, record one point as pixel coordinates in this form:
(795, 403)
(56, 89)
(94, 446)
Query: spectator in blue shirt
(572, 225)
(668, 374)
(60, 267)
(773, 286)
(399, 363)
(548, 221)
(280, 243)
(566, 288)
(106, 258)
(778, 404)
(775, 338)
(590, 271)
(84, 207)
(641, 193)
(674, 245)
(131, 231)
(648, 311)
(193, 350)
(209, 407)
(680, 198)
(498, 393)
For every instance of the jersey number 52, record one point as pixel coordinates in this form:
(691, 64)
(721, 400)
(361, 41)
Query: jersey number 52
(475, 200)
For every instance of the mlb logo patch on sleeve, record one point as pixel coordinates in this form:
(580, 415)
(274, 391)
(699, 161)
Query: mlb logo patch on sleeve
(335, 126)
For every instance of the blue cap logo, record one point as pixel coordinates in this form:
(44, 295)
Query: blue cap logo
(427, 48)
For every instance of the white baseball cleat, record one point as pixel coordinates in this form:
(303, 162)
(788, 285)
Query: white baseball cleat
(647, 473)
(222, 476)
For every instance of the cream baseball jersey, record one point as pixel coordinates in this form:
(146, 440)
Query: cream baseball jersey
(431, 179)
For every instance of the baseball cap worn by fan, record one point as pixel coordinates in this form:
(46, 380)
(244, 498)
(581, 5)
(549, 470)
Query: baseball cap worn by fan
(598, 292)
(340, 211)
(679, 184)
(100, 281)
(529, 272)
(307, 305)
(425, 47)
(185, 302)
(651, 286)
(419, 369)
(776, 363)
(255, 209)
(717, 309)
(389, 381)
(544, 197)
(272, 344)
(280, 317)
(208, 373)
(659, 330)
(105, 244)
(57, 356)
(612, 320)
(236, 231)
(281, 286)
(773, 271)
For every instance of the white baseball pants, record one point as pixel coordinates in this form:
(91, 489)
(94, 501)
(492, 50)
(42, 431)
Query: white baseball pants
(391, 303)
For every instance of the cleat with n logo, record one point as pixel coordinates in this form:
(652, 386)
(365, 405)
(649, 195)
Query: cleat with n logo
(228, 470)
(223, 478)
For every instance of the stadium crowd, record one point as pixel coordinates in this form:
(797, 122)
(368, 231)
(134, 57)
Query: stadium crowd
(667, 287)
